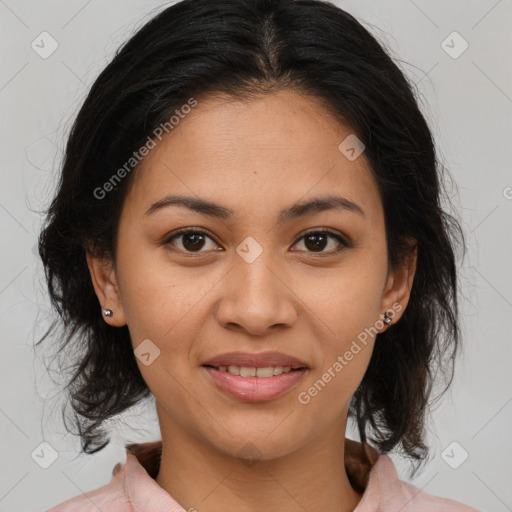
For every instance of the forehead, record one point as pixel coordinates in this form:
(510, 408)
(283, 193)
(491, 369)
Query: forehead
(271, 150)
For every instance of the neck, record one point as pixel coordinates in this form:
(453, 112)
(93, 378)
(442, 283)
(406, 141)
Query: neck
(201, 477)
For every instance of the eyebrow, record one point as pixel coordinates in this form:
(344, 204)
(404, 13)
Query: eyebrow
(295, 211)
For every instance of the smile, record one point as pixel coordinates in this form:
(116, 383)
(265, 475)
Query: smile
(250, 384)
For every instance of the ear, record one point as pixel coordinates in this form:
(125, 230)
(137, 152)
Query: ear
(104, 281)
(397, 290)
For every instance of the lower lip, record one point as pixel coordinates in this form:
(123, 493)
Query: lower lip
(255, 389)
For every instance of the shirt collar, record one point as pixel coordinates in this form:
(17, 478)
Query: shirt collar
(143, 461)
(142, 490)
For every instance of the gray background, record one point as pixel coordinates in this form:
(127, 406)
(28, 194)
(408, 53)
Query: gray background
(468, 103)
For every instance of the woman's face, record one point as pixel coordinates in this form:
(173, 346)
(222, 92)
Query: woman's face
(253, 282)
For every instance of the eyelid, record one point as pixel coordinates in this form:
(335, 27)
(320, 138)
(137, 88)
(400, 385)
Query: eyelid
(201, 231)
(335, 234)
(342, 239)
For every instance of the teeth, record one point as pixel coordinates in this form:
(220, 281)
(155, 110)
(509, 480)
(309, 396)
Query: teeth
(246, 371)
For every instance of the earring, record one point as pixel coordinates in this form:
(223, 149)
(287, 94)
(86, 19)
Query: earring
(387, 318)
(108, 312)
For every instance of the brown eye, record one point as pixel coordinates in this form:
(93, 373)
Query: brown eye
(318, 241)
(190, 240)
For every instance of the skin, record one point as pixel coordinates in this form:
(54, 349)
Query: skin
(255, 157)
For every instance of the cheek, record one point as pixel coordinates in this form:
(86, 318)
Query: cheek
(156, 295)
(346, 341)
(345, 313)
(346, 302)
(166, 305)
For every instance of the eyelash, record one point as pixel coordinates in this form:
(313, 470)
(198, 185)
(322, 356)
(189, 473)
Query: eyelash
(345, 244)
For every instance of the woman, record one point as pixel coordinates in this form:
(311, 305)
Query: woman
(248, 228)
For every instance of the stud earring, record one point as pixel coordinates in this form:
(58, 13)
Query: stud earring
(387, 318)
(108, 312)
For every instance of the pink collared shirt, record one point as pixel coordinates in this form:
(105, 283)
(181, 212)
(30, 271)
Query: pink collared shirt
(132, 487)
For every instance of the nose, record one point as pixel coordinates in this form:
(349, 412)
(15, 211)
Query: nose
(257, 298)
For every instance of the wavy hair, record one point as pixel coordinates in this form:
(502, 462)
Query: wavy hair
(243, 48)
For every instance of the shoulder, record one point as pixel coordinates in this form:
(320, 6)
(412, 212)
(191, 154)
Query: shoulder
(387, 493)
(421, 501)
(108, 497)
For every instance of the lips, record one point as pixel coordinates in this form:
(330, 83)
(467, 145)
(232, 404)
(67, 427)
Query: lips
(254, 389)
(252, 360)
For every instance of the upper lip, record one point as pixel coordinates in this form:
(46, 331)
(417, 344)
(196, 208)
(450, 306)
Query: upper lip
(260, 360)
